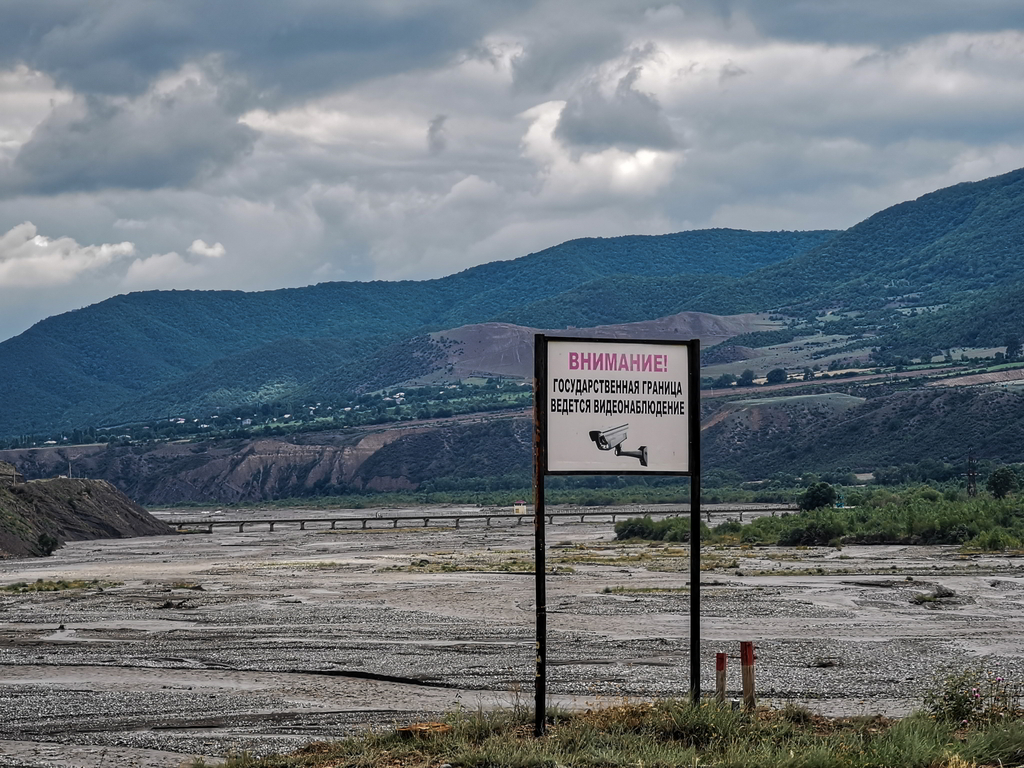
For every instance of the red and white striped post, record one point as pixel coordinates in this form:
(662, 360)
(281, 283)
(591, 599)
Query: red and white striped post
(721, 659)
(747, 666)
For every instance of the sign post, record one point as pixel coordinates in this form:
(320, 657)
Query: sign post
(540, 422)
(615, 407)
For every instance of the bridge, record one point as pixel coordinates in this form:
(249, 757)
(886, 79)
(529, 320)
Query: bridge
(455, 520)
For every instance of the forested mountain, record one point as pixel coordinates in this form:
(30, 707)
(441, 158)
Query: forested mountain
(499, 289)
(961, 239)
(962, 246)
(617, 299)
(944, 270)
(149, 350)
(977, 319)
(939, 248)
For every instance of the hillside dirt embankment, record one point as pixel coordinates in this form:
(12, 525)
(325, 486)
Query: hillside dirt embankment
(68, 510)
(755, 431)
(374, 458)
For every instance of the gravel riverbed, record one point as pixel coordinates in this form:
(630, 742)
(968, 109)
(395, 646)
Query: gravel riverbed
(212, 643)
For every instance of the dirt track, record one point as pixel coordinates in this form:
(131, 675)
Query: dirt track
(203, 644)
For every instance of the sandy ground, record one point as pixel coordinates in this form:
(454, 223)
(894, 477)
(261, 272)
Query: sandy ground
(208, 644)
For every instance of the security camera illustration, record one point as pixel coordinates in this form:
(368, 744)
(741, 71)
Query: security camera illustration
(612, 440)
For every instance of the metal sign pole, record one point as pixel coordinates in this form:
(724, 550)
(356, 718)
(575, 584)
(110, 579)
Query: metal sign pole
(540, 685)
(540, 369)
(694, 406)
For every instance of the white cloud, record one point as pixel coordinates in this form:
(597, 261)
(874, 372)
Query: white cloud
(35, 269)
(161, 270)
(199, 248)
(30, 260)
(27, 97)
(158, 270)
(377, 151)
(567, 175)
(172, 270)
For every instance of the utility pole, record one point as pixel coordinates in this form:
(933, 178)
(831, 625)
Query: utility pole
(972, 475)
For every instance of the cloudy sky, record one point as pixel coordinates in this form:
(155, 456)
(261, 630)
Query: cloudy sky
(157, 144)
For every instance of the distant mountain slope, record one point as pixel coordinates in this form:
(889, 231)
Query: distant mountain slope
(499, 289)
(82, 366)
(400, 457)
(617, 299)
(308, 370)
(968, 237)
(75, 367)
(985, 318)
(962, 246)
(944, 247)
(788, 434)
(149, 354)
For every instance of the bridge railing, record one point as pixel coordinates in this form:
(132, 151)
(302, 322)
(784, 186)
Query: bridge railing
(582, 513)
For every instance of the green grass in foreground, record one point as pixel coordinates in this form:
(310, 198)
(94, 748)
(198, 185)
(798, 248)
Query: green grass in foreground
(670, 733)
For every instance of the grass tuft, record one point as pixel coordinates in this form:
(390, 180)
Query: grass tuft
(55, 585)
(665, 733)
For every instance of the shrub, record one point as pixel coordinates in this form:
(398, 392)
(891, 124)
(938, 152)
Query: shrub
(728, 528)
(48, 543)
(982, 523)
(669, 529)
(1002, 482)
(974, 697)
(995, 540)
(636, 528)
(818, 529)
(817, 496)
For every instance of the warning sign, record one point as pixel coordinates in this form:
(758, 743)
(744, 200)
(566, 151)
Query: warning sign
(617, 407)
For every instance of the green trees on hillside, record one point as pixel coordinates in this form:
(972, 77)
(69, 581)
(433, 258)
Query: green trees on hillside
(723, 381)
(1013, 346)
(146, 354)
(957, 241)
(48, 543)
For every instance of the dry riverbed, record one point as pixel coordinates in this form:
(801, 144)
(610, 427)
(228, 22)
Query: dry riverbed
(205, 644)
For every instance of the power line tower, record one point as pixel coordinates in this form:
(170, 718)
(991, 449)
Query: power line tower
(972, 475)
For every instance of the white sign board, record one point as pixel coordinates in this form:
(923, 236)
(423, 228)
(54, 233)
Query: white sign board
(617, 407)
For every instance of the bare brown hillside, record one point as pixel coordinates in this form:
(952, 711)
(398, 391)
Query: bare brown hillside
(396, 457)
(503, 349)
(68, 510)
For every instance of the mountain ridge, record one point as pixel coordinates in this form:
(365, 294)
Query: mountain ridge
(948, 253)
(122, 350)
